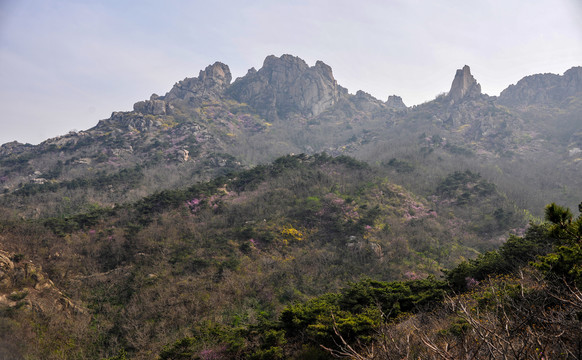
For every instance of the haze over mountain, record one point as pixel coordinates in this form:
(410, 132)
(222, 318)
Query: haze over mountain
(288, 106)
(66, 64)
(277, 215)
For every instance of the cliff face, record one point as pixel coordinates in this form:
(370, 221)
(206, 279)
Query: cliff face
(543, 89)
(286, 85)
(464, 85)
(207, 87)
(395, 102)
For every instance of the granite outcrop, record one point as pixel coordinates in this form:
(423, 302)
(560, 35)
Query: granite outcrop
(286, 85)
(464, 85)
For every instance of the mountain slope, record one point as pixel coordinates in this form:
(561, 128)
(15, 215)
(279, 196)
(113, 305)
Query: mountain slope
(163, 207)
(207, 125)
(244, 246)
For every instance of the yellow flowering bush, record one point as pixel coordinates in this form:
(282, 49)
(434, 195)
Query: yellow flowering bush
(290, 233)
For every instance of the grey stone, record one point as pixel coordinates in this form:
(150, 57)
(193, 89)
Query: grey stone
(287, 85)
(464, 85)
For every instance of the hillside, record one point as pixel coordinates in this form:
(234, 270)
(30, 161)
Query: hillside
(244, 245)
(187, 228)
(206, 126)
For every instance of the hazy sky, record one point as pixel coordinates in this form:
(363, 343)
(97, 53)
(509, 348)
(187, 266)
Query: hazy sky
(66, 64)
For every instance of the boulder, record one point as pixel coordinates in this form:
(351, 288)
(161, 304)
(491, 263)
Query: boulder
(152, 107)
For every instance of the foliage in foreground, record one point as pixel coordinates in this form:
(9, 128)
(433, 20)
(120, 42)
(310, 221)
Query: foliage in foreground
(249, 265)
(495, 307)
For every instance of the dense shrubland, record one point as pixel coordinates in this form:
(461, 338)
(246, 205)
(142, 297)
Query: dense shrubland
(142, 237)
(520, 302)
(220, 260)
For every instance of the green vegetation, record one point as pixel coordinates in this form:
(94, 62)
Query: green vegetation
(249, 264)
(101, 181)
(249, 245)
(371, 314)
(187, 235)
(262, 250)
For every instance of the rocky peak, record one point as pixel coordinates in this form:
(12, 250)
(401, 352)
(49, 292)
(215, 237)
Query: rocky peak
(153, 106)
(216, 75)
(208, 86)
(544, 89)
(464, 85)
(366, 102)
(282, 67)
(286, 85)
(395, 102)
(572, 80)
(325, 69)
(14, 148)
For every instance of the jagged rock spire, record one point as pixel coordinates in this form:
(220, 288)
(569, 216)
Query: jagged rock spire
(395, 102)
(209, 85)
(464, 85)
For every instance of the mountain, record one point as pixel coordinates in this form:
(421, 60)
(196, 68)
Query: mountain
(543, 89)
(207, 126)
(188, 227)
(199, 129)
(242, 246)
(287, 85)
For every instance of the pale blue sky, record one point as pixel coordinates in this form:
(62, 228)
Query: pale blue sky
(66, 64)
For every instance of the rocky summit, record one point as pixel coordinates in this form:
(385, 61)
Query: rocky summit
(287, 84)
(464, 85)
(395, 102)
(544, 89)
(187, 229)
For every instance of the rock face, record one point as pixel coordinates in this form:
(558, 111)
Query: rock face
(366, 102)
(544, 89)
(152, 106)
(395, 102)
(23, 283)
(130, 121)
(13, 148)
(287, 85)
(6, 267)
(208, 86)
(464, 85)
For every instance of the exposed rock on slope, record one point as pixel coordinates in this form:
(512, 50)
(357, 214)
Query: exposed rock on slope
(464, 85)
(209, 85)
(366, 102)
(288, 85)
(152, 106)
(395, 102)
(23, 283)
(13, 148)
(544, 89)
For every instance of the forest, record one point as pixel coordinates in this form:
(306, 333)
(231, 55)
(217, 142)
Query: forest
(250, 221)
(310, 257)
